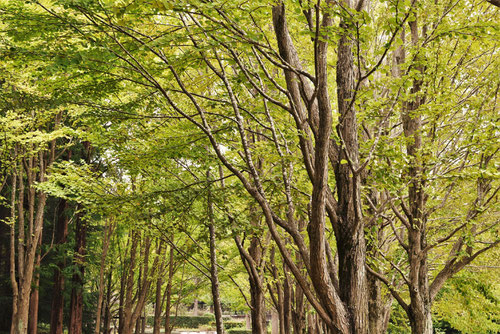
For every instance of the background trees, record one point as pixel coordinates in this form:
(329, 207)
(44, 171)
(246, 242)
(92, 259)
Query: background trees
(337, 148)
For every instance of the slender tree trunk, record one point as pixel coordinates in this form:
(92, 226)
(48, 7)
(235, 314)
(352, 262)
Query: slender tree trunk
(76, 308)
(107, 308)
(214, 276)
(21, 325)
(158, 305)
(15, 326)
(108, 229)
(168, 327)
(287, 301)
(57, 309)
(35, 294)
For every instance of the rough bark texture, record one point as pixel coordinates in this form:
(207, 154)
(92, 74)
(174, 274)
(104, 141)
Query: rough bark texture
(334, 313)
(419, 310)
(350, 238)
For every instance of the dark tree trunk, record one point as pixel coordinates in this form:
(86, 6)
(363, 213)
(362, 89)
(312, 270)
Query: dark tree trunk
(76, 307)
(287, 302)
(107, 308)
(57, 309)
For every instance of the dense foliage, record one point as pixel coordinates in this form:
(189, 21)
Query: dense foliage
(331, 166)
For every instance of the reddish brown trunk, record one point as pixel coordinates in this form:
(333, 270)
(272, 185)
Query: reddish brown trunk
(158, 305)
(35, 296)
(107, 307)
(76, 307)
(56, 315)
(108, 229)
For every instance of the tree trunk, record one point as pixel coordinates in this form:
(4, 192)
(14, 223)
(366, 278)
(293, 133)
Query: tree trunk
(158, 305)
(20, 325)
(108, 229)
(107, 308)
(214, 276)
(258, 314)
(215, 282)
(57, 309)
(379, 310)
(76, 307)
(421, 319)
(168, 327)
(35, 294)
(251, 260)
(350, 237)
(287, 302)
(15, 326)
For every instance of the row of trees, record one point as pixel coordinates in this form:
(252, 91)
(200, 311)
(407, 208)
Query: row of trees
(344, 153)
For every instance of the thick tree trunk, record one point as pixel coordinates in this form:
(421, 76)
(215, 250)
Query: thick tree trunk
(258, 313)
(57, 309)
(350, 237)
(76, 307)
(379, 309)
(421, 320)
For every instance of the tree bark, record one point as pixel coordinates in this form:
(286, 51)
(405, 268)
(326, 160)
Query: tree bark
(76, 306)
(107, 308)
(57, 309)
(158, 304)
(108, 229)
(168, 327)
(350, 237)
(15, 325)
(215, 281)
(35, 294)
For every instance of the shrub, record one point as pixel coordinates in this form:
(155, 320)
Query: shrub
(186, 321)
(239, 331)
(233, 324)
